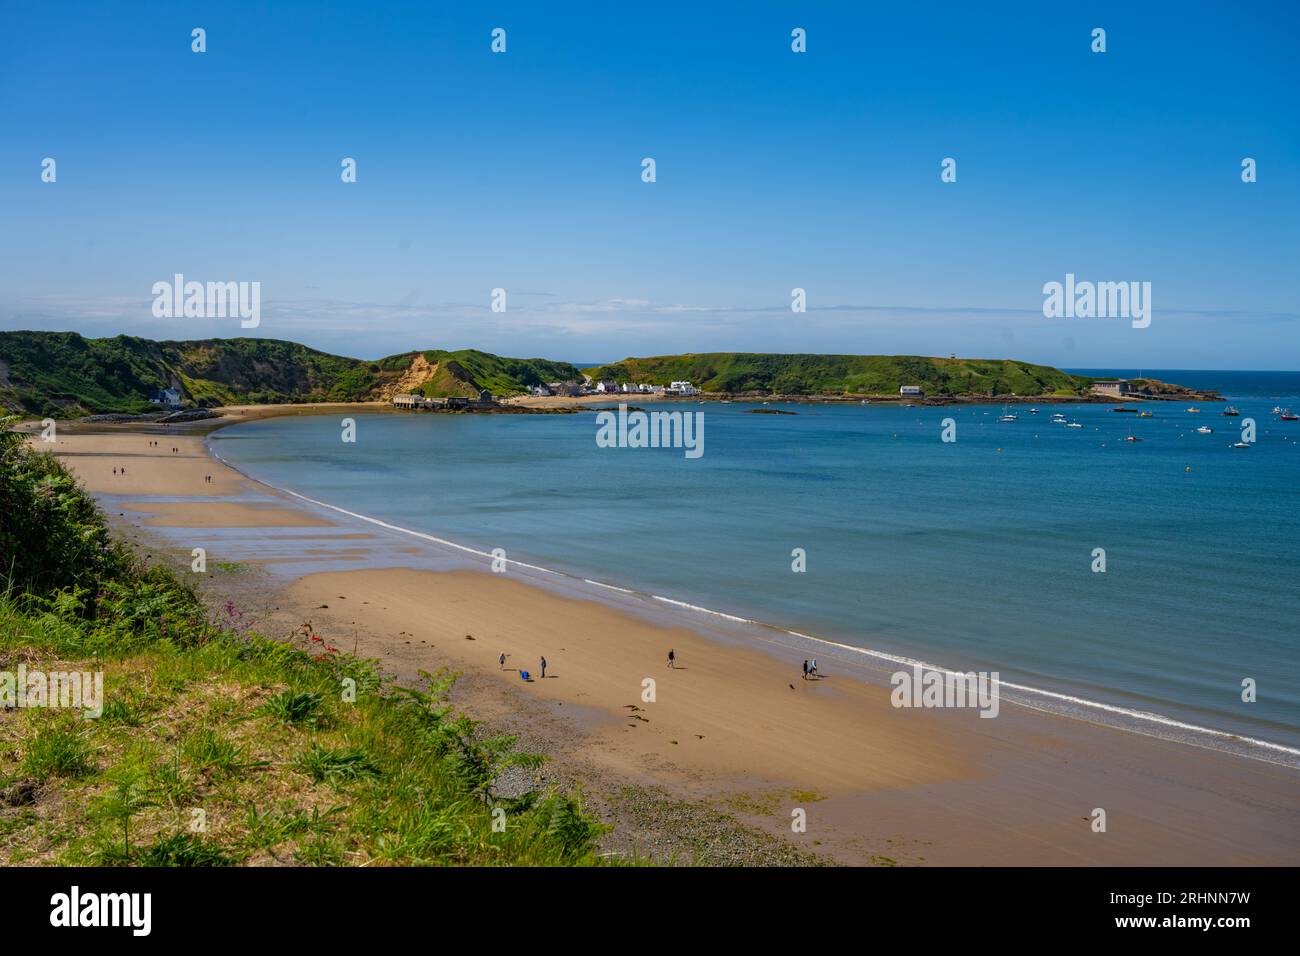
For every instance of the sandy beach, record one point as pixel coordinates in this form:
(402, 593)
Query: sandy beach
(731, 727)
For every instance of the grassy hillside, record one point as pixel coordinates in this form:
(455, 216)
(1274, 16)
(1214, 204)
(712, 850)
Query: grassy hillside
(840, 374)
(217, 746)
(62, 374)
(465, 371)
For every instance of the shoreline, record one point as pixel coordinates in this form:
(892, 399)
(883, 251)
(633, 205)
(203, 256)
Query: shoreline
(931, 760)
(1068, 706)
(1253, 748)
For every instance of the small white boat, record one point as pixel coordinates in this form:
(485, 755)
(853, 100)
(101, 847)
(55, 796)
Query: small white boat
(1194, 410)
(1006, 415)
(1241, 444)
(1277, 410)
(1033, 411)
(1203, 430)
(1231, 411)
(1073, 425)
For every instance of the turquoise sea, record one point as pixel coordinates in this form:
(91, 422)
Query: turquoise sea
(975, 554)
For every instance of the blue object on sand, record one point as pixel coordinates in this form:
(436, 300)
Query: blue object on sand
(523, 675)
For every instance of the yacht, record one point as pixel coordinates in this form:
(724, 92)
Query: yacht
(1194, 410)
(1203, 430)
(1231, 411)
(1241, 444)
(1006, 415)
(1073, 425)
(1290, 416)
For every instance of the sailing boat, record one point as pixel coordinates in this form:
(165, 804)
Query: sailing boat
(1006, 415)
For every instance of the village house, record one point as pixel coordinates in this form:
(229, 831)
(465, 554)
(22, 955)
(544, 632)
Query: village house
(170, 397)
(682, 388)
(911, 390)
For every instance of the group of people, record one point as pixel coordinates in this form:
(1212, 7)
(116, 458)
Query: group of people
(524, 674)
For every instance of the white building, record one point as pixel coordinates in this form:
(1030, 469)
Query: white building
(1116, 387)
(606, 387)
(682, 388)
(911, 390)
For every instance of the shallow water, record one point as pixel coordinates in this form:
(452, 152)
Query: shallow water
(975, 554)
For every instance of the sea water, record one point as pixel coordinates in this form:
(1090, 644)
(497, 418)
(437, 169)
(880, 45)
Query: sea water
(976, 554)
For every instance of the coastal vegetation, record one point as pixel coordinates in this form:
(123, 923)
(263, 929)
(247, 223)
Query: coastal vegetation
(739, 372)
(216, 745)
(62, 374)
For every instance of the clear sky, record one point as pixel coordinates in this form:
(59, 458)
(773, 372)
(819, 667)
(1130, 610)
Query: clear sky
(775, 170)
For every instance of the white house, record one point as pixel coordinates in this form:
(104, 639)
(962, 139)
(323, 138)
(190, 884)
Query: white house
(682, 388)
(911, 390)
(166, 396)
(606, 387)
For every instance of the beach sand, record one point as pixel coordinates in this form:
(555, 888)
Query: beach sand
(733, 728)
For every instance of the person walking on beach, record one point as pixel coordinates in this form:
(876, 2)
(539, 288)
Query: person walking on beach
(543, 668)
(672, 660)
(502, 660)
(805, 670)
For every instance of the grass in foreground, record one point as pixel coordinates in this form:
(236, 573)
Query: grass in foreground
(217, 746)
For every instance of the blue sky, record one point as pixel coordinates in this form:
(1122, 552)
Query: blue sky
(775, 170)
